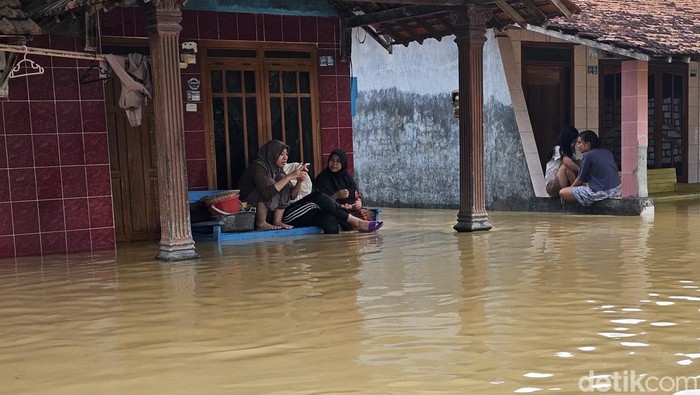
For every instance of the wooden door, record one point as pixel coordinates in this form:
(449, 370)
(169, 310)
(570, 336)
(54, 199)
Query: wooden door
(547, 84)
(134, 171)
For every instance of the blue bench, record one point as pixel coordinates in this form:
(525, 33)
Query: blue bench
(211, 230)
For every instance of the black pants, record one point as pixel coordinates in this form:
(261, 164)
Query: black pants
(316, 209)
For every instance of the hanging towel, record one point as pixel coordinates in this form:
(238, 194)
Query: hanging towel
(134, 72)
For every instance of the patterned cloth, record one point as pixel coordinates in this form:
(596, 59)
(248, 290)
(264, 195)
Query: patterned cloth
(586, 196)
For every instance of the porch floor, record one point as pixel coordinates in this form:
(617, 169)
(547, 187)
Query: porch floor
(682, 192)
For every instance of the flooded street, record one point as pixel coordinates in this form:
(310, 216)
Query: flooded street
(531, 306)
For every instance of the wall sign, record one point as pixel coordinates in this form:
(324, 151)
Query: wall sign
(193, 96)
(193, 83)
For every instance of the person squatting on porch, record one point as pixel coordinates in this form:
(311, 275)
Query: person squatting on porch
(336, 182)
(598, 169)
(562, 168)
(267, 187)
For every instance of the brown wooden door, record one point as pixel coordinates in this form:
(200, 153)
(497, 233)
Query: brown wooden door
(547, 84)
(134, 170)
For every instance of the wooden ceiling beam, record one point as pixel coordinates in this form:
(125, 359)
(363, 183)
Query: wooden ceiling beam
(515, 15)
(384, 43)
(541, 17)
(393, 14)
(562, 8)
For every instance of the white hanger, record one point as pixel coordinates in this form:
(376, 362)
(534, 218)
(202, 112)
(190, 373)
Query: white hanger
(32, 67)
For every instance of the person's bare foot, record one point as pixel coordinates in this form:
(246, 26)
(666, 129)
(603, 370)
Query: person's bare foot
(266, 226)
(282, 225)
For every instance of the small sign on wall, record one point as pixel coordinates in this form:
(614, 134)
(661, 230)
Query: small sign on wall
(191, 107)
(193, 96)
(326, 60)
(693, 72)
(593, 70)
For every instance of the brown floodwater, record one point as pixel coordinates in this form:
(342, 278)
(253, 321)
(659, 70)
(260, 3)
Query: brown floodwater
(531, 306)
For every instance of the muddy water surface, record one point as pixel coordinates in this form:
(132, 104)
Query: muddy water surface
(529, 307)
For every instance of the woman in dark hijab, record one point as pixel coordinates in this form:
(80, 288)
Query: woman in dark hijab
(267, 187)
(335, 182)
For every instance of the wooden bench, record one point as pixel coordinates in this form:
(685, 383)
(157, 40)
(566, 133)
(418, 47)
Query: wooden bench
(211, 230)
(661, 180)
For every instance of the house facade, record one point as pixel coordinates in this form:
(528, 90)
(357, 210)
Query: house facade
(75, 176)
(79, 175)
(634, 83)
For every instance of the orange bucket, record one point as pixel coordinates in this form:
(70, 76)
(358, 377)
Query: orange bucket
(224, 203)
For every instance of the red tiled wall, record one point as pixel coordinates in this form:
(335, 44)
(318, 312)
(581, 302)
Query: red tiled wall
(55, 188)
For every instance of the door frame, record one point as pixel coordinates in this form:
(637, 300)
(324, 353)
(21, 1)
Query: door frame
(260, 65)
(568, 90)
(148, 177)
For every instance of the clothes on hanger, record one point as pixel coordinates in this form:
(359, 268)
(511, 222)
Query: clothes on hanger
(134, 72)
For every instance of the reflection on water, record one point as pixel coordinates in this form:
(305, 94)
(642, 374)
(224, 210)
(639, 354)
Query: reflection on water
(531, 306)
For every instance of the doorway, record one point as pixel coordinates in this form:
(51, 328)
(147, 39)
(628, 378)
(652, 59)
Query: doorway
(258, 93)
(132, 156)
(667, 115)
(548, 87)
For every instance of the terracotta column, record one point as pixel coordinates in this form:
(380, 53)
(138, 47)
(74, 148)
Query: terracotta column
(635, 127)
(163, 26)
(470, 45)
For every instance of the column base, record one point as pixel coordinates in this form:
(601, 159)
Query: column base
(169, 254)
(472, 225)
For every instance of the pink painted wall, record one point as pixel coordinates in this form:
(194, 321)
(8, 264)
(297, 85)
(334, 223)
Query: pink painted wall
(55, 188)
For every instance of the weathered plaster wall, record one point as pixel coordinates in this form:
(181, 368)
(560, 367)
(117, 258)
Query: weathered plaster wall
(406, 139)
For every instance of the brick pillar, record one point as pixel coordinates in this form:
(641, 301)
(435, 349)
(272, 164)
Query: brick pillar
(470, 41)
(635, 127)
(163, 26)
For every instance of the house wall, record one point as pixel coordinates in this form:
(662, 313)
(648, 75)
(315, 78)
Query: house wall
(407, 139)
(55, 186)
(694, 122)
(55, 190)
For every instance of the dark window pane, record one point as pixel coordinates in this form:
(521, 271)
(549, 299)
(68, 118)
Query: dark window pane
(276, 118)
(233, 81)
(304, 82)
(291, 124)
(307, 132)
(287, 55)
(289, 81)
(231, 53)
(251, 109)
(249, 77)
(547, 54)
(274, 81)
(217, 85)
(236, 140)
(220, 143)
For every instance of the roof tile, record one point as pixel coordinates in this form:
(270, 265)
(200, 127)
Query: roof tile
(653, 27)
